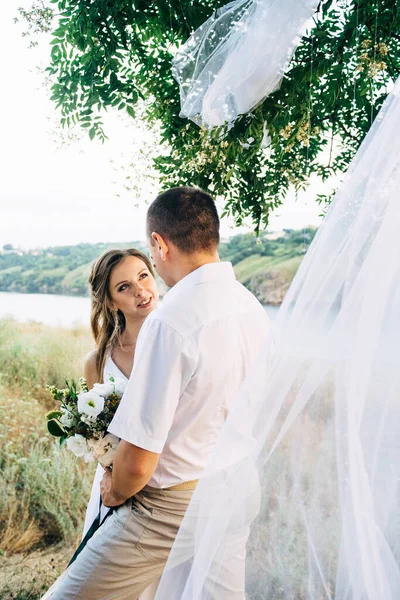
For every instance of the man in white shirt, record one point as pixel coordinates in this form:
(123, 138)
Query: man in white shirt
(192, 356)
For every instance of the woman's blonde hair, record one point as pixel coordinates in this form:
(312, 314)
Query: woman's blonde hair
(107, 323)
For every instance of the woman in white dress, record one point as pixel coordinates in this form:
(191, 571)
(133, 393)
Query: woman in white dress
(123, 293)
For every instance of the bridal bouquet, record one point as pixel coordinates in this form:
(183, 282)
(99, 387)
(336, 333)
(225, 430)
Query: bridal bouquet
(83, 416)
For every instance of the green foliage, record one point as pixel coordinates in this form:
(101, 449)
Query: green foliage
(55, 428)
(65, 270)
(43, 494)
(38, 19)
(291, 243)
(55, 270)
(109, 54)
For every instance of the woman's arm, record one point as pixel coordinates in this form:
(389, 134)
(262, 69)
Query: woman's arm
(90, 369)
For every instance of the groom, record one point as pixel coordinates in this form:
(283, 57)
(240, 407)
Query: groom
(192, 356)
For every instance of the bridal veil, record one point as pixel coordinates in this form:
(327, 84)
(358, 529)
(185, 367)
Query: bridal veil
(238, 57)
(307, 468)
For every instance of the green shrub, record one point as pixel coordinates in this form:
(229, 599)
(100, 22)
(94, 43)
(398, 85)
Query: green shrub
(43, 489)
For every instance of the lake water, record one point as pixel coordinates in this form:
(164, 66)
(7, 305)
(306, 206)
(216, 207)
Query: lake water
(63, 311)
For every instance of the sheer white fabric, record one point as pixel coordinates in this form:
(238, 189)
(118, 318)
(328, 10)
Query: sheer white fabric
(306, 474)
(238, 57)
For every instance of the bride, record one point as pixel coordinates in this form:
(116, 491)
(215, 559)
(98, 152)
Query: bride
(123, 292)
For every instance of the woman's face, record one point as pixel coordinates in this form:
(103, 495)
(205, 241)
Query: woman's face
(133, 288)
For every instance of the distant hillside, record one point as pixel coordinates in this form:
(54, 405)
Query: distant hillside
(265, 265)
(55, 270)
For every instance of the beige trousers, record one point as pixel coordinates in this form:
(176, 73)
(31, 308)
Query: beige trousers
(129, 551)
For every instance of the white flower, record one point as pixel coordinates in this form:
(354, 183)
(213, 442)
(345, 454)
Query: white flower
(104, 389)
(120, 385)
(77, 444)
(66, 418)
(111, 385)
(90, 404)
(104, 449)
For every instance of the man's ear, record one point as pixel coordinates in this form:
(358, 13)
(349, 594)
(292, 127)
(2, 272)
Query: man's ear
(161, 245)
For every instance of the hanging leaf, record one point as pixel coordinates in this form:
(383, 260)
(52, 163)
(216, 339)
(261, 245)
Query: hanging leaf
(55, 428)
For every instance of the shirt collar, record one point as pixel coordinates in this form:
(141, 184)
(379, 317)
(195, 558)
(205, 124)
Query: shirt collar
(217, 271)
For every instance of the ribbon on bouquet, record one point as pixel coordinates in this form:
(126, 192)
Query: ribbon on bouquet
(97, 523)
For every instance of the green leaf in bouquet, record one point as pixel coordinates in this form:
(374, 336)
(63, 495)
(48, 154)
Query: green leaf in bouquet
(53, 414)
(73, 394)
(55, 428)
(63, 439)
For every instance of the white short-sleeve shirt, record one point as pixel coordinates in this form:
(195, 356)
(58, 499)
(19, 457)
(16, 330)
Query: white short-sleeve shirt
(191, 358)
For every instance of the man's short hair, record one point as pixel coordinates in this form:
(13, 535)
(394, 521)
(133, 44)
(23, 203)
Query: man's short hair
(187, 217)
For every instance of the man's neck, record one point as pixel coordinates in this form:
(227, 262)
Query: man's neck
(192, 262)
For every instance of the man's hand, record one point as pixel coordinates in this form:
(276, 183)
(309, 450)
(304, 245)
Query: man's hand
(107, 496)
(132, 469)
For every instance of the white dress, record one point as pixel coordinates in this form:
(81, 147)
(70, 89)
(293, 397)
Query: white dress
(110, 368)
(92, 510)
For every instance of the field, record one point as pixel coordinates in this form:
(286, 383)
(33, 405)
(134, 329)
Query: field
(43, 490)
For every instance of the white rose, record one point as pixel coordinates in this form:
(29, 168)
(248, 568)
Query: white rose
(120, 385)
(77, 445)
(108, 459)
(97, 447)
(104, 449)
(66, 418)
(90, 403)
(104, 389)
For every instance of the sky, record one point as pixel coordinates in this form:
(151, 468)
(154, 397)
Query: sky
(63, 194)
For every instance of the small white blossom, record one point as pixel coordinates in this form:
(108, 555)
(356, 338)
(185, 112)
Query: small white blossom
(66, 418)
(120, 385)
(104, 389)
(77, 444)
(90, 404)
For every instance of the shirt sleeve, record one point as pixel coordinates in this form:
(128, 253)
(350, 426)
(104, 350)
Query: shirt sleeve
(164, 363)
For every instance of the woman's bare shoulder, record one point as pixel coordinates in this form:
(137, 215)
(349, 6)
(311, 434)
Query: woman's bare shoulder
(90, 368)
(91, 358)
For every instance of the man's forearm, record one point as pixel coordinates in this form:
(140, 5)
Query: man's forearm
(125, 485)
(132, 469)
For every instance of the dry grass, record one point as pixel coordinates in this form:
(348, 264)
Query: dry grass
(32, 355)
(28, 576)
(43, 490)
